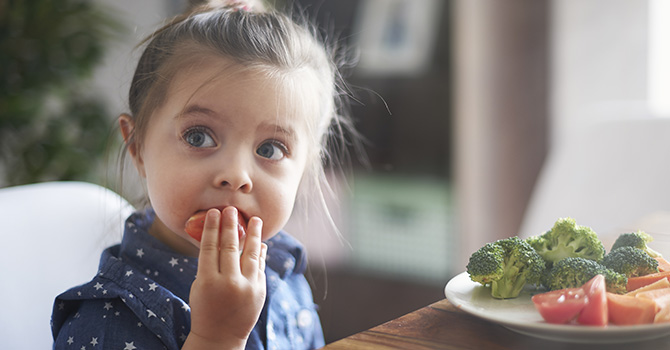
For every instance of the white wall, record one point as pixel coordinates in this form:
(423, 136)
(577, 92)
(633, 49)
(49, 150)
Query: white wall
(599, 61)
(112, 78)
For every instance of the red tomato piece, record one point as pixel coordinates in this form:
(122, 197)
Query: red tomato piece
(595, 311)
(196, 223)
(560, 306)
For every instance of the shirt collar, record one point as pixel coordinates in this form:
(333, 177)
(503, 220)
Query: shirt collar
(286, 255)
(156, 260)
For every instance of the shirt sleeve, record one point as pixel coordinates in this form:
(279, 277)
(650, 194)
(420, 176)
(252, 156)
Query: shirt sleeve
(104, 324)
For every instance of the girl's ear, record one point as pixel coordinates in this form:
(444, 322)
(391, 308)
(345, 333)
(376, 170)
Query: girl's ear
(127, 126)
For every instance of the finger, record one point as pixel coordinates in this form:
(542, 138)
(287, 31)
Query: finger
(264, 255)
(208, 259)
(230, 243)
(252, 248)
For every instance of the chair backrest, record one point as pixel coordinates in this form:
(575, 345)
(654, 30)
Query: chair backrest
(52, 237)
(607, 175)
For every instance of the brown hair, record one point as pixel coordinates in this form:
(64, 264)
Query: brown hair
(256, 38)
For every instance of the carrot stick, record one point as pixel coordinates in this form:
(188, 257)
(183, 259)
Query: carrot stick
(641, 281)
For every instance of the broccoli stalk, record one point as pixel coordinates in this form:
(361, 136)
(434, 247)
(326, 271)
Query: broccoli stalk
(567, 239)
(506, 265)
(513, 279)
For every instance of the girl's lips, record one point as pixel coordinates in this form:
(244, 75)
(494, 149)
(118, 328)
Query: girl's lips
(195, 224)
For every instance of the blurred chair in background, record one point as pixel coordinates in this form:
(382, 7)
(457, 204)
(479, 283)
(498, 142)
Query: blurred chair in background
(607, 175)
(52, 237)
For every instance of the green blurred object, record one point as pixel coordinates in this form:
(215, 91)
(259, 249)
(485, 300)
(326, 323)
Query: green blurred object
(51, 126)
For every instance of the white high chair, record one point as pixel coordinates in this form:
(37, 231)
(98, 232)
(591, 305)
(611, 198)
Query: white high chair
(52, 237)
(608, 175)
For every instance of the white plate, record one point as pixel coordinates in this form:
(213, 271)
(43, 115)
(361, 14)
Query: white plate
(519, 315)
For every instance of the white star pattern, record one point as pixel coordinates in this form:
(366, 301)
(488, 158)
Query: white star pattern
(288, 264)
(185, 307)
(139, 326)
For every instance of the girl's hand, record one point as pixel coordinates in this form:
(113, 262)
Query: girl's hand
(229, 290)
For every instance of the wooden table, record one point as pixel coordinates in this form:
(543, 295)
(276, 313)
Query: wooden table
(443, 326)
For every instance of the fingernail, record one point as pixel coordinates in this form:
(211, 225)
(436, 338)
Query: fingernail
(231, 213)
(213, 213)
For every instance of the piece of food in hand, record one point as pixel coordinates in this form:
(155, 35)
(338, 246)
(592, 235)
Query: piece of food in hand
(560, 306)
(196, 224)
(506, 265)
(567, 239)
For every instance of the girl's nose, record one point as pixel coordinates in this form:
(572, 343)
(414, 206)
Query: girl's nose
(235, 176)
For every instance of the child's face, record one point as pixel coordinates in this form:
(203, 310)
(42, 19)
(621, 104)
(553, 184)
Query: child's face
(232, 141)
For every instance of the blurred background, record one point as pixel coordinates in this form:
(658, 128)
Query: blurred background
(460, 102)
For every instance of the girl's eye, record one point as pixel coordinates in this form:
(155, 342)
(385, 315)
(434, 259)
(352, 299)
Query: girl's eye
(271, 150)
(197, 137)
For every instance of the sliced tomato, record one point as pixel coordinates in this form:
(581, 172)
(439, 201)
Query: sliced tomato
(196, 224)
(595, 311)
(560, 306)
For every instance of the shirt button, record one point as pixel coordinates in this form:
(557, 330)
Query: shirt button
(304, 318)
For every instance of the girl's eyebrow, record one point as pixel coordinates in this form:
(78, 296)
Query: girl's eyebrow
(286, 130)
(196, 109)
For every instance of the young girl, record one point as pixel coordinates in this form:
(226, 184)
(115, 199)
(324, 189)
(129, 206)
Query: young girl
(230, 111)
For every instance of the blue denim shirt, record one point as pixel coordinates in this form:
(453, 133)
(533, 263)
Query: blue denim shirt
(139, 299)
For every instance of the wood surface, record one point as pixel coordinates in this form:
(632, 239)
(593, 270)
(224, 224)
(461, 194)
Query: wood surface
(443, 326)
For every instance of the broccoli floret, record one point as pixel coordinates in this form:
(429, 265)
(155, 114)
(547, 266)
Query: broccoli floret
(638, 240)
(574, 272)
(506, 265)
(567, 239)
(630, 261)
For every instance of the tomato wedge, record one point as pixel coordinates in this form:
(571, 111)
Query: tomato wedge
(196, 223)
(595, 311)
(560, 306)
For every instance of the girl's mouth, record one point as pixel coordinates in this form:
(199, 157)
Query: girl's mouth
(195, 224)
